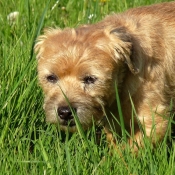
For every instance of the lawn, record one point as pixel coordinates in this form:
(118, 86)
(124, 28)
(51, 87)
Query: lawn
(30, 146)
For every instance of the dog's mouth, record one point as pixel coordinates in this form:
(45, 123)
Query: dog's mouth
(69, 123)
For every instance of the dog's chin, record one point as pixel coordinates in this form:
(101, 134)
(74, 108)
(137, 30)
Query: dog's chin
(74, 128)
(68, 128)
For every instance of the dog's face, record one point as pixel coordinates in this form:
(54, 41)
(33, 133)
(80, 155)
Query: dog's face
(77, 70)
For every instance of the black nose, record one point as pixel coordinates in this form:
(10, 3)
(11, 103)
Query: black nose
(65, 113)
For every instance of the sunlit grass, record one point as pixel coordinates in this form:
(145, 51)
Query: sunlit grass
(27, 144)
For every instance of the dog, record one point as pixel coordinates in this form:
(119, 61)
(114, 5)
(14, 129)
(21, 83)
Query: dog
(132, 54)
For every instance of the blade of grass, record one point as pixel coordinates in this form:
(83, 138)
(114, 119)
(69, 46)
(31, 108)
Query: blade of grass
(79, 126)
(120, 114)
(44, 153)
(40, 25)
(68, 155)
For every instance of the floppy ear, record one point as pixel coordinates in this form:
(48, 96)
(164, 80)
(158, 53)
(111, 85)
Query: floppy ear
(123, 48)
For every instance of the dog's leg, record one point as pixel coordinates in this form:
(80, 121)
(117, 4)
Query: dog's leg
(153, 127)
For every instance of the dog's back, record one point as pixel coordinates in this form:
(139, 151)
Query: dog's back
(151, 30)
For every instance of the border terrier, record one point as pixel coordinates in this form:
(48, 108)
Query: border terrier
(80, 69)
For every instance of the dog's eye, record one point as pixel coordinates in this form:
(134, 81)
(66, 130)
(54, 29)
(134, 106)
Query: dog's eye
(52, 78)
(89, 79)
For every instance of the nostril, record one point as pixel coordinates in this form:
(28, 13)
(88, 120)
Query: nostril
(65, 112)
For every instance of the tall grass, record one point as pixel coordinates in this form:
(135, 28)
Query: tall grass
(27, 144)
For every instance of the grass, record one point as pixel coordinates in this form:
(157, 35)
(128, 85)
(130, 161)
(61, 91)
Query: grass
(27, 144)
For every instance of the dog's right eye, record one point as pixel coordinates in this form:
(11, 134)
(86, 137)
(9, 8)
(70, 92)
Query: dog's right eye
(89, 79)
(52, 78)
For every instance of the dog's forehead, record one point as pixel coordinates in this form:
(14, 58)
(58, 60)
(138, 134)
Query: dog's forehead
(76, 41)
(75, 52)
(72, 48)
(87, 62)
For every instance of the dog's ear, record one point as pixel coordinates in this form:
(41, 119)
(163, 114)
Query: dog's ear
(124, 47)
(41, 43)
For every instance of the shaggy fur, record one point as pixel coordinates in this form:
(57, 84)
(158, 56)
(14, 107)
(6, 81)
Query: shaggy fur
(134, 50)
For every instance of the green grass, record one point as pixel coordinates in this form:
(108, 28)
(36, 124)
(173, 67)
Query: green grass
(27, 144)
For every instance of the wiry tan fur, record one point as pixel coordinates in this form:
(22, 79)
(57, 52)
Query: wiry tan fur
(134, 50)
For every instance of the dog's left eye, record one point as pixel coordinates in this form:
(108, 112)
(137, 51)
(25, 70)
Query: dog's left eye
(89, 79)
(52, 78)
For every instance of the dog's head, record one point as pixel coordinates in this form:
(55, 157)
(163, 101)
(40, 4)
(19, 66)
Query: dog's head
(78, 69)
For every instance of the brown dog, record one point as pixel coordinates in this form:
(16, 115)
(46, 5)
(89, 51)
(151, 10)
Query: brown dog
(135, 51)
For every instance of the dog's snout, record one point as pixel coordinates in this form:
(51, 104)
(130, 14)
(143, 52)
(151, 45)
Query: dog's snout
(65, 113)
